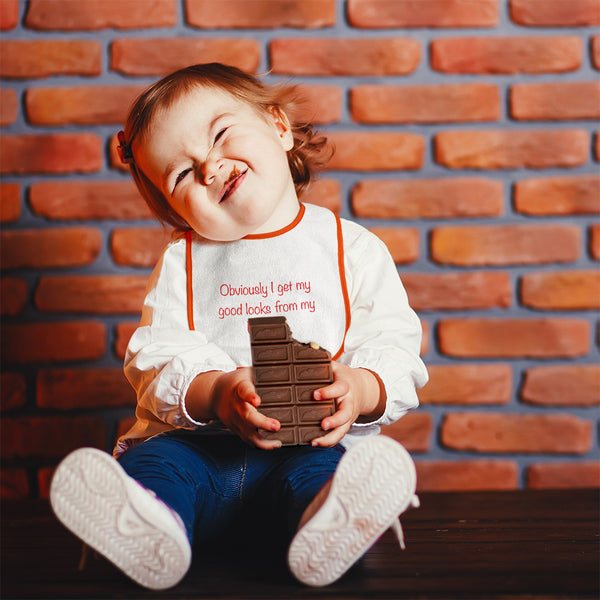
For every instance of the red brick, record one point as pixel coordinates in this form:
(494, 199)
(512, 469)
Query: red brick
(14, 484)
(50, 153)
(555, 101)
(124, 331)
(507, 55)
(50, 437)
(570, 195)
(514, 338)
(595, 242)
(320, 104)
(25, 59)
(159, 56)
(433, 13)
(564, 475)
(9, 106)
(44, 248)
(561, 290)
(10, 202)
(81, 105)
(350, 56)
(13, 295)
(555, 13)
(68, 389)
(88, 200)
(447, 103)
(324, 192)
(595, 50)
(563, 385)
(508, 149)
(69, 15)
(139, 246)
(505, 244)
(427, 198)
(403, 243)
(425, 340)
(260, 14)
(53, 342)
(94, 294)
(467, 384)
(413, 431)
(13, 391)
(9, 14)
(376, 151)
(462, 475)
(458, 291)
(496, 432)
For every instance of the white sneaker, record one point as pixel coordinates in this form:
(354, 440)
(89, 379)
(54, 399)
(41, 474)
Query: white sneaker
(110, 511)
(373, 484)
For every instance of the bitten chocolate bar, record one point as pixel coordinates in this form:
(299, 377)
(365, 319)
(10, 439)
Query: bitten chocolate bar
(286, 373)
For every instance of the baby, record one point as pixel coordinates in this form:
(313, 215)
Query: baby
(221, 157)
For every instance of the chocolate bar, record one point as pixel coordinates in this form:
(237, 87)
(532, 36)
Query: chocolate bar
(286, 373)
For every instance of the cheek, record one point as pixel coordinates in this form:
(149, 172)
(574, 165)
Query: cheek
(183, 204)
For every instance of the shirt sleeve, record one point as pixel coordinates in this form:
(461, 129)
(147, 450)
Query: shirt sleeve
(164, 355)
(385, 333)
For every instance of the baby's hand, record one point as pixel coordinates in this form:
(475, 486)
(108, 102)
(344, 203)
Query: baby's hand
(235, 402)
(356, 390)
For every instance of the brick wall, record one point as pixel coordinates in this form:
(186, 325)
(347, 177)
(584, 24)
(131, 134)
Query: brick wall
(467, 138)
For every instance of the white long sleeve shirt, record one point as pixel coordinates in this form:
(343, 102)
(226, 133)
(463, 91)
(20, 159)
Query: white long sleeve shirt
(333, 280)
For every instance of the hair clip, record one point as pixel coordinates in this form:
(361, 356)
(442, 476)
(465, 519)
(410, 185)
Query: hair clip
(124, 149)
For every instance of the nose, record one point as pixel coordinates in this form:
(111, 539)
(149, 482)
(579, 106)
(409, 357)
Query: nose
(209, 169)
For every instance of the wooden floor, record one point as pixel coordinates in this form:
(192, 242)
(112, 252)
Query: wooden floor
(520, 544)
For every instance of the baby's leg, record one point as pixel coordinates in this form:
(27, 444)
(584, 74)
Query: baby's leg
(111, 512)
(374, 483)
(166, 466)
(193, 475)
(299, 473)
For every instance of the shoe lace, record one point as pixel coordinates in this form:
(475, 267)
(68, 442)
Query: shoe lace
(397, 526)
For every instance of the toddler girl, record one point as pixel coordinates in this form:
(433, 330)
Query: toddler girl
(220, 156)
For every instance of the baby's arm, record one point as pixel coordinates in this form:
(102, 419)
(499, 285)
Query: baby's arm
(231, 398)
(376, 375)
(180, 377)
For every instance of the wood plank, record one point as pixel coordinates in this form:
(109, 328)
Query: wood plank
(534, 544)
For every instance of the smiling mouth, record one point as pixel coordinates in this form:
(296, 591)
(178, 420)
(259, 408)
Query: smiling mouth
(232, 183)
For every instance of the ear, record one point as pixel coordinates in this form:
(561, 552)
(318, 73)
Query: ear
(284, 129)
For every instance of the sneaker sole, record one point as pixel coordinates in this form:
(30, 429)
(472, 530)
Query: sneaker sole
(93, 497)
(373, 484)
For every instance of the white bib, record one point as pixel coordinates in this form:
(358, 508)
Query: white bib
(297, 273)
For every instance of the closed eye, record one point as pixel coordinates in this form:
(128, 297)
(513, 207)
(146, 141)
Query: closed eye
(220, 134)
(180, 177)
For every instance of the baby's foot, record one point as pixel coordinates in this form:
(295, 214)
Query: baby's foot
(111, 512)
(373, 485)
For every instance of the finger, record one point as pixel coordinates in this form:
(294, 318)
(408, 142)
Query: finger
(257, 440)
(330, 439)
(341, 417)
(256, 420)
(245, 391)
(335, 390)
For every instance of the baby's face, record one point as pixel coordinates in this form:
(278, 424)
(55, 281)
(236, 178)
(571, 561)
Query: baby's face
(221, 165)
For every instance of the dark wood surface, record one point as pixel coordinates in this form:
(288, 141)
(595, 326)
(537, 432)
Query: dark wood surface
(515, 544)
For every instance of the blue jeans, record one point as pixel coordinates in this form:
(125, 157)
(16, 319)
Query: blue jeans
(221, 486)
